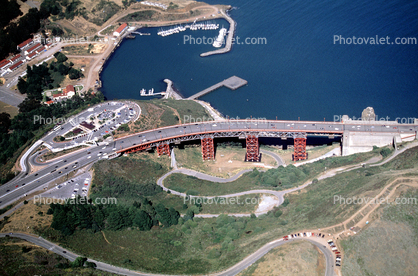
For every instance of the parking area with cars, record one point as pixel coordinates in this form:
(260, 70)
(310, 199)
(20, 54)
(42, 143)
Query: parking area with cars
(93, 124)
(71, 188)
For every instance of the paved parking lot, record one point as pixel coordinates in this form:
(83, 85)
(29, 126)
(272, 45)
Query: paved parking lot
(71, 188)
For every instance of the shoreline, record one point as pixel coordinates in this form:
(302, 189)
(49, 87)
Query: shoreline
(170, 91)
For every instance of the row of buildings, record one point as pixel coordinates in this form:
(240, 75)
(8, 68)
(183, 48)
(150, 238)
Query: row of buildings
(29, 50)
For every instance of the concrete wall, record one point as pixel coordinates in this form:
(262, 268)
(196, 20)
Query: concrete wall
(355, 142)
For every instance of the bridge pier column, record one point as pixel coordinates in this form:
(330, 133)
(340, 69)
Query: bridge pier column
(253, 151)
(163, 149)
(300, 149)
(208, 149)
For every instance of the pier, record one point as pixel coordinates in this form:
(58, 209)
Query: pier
(232, 83)
(228, 44)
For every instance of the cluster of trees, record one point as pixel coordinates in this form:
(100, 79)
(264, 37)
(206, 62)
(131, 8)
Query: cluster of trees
(39, 78)
(61, 8)
(9, 10)
(15, 33)
(80, 214)
(281, 177)
(16, 132)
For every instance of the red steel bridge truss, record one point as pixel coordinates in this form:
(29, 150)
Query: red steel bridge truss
(208, 147)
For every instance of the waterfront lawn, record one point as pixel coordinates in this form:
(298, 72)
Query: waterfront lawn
(160, 113)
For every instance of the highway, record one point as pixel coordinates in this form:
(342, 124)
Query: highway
(229, 272)
(17, 188)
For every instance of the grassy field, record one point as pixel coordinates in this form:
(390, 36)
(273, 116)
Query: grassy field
(397, 226)
(277, 179)
(297, 258)
(228, 160)
(8, 109)
(160, 113)
(19, 257)
(201, 246)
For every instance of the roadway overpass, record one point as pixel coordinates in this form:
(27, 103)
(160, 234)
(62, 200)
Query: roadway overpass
(356, 137)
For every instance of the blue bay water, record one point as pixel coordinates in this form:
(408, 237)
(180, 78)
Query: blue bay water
(298, 73)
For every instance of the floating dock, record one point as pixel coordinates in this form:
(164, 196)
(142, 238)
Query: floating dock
(232, 83)
(228, 44)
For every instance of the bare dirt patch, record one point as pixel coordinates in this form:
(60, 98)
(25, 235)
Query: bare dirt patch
(296, 258)
(12, 110)
(228, 161)
(27, 218)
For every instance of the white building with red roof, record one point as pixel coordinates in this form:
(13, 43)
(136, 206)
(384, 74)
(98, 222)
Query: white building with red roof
(15, 66)
(25, 44)
(4, 63)
(33, 48)
(120, 29)
(67, 92)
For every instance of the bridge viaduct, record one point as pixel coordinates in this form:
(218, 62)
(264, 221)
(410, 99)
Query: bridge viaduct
(356, 136)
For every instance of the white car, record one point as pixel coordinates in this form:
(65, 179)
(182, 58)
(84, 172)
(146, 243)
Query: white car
(99, 154)
(88, 157)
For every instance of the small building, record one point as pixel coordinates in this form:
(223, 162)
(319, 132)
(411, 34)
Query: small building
(120, 29)
(49, 102)
(87, 125)
(69, 91)
(15, 59)
(31, 56)
(25, 44)
(15, 66)
(40, 50)
(33, 48)
(4, 63)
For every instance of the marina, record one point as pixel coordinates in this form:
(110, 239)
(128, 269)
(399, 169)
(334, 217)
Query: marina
(228, 44)
(143, 92)
(193, 27)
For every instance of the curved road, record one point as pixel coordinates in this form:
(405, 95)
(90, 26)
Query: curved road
(249, 260)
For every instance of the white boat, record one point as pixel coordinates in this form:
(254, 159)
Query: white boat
(219, 40)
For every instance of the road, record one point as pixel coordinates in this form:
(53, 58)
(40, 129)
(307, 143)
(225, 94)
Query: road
(230, 271)
(15, 189)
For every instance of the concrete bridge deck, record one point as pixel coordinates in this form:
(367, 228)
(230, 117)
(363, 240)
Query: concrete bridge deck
(232, 83)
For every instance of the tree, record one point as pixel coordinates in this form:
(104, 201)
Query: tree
(174, 216)
(78, 262)
(114, 221)
(60, 57)
(5, 122)
(22, 86)
(143, 221)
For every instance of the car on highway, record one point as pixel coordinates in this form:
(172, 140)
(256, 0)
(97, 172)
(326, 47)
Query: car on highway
(89, 157)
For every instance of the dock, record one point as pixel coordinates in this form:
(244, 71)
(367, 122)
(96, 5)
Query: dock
(232, 83)
(228, 44)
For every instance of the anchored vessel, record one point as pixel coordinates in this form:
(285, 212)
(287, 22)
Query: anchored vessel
(220, 38)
